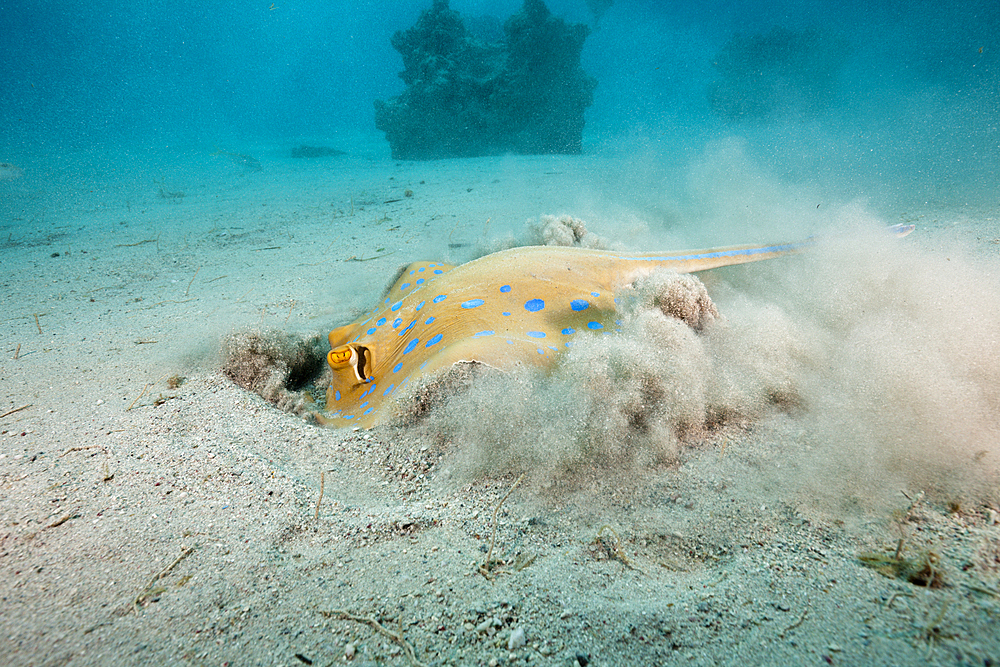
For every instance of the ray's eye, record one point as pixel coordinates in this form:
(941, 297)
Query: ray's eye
(357, 357)
(340, 356)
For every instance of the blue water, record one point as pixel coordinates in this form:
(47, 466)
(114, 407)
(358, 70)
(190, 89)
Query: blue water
(916, 106)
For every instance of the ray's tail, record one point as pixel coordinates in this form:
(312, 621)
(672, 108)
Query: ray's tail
(692, 261)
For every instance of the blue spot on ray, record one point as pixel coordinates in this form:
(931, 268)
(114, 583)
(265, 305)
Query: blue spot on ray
(472, 303)
(579, 304)
(594, 326)
(505, 288)
(403, 286)
(536, 334)
(439, 298)
(534, 305)
(409, 346)
(434, 341)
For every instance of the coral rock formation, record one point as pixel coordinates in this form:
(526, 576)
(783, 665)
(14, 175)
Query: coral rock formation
(470, 95)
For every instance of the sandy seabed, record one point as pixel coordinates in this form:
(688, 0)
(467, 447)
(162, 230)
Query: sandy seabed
(151, 512)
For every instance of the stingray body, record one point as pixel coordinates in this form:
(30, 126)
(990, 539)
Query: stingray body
(519, 306)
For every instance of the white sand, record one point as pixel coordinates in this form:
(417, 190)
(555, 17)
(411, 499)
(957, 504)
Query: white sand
(109, 478)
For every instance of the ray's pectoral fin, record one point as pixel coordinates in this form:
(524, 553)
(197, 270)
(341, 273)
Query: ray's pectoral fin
(341, 335)
(416, 274)
(494, 351)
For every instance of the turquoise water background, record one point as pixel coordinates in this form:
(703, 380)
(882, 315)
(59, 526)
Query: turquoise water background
(915, 105)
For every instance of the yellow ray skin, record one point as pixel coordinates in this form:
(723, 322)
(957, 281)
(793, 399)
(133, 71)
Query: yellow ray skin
(519, 306)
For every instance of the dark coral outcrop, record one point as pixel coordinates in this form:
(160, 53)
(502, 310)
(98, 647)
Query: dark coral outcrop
(472, 94)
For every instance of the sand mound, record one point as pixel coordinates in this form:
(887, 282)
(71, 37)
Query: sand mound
(274, 364)
(551, 230)
(613, 401)
(564, 230)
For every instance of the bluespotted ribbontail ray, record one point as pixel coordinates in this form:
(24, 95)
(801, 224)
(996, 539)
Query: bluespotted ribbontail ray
(519, 306)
